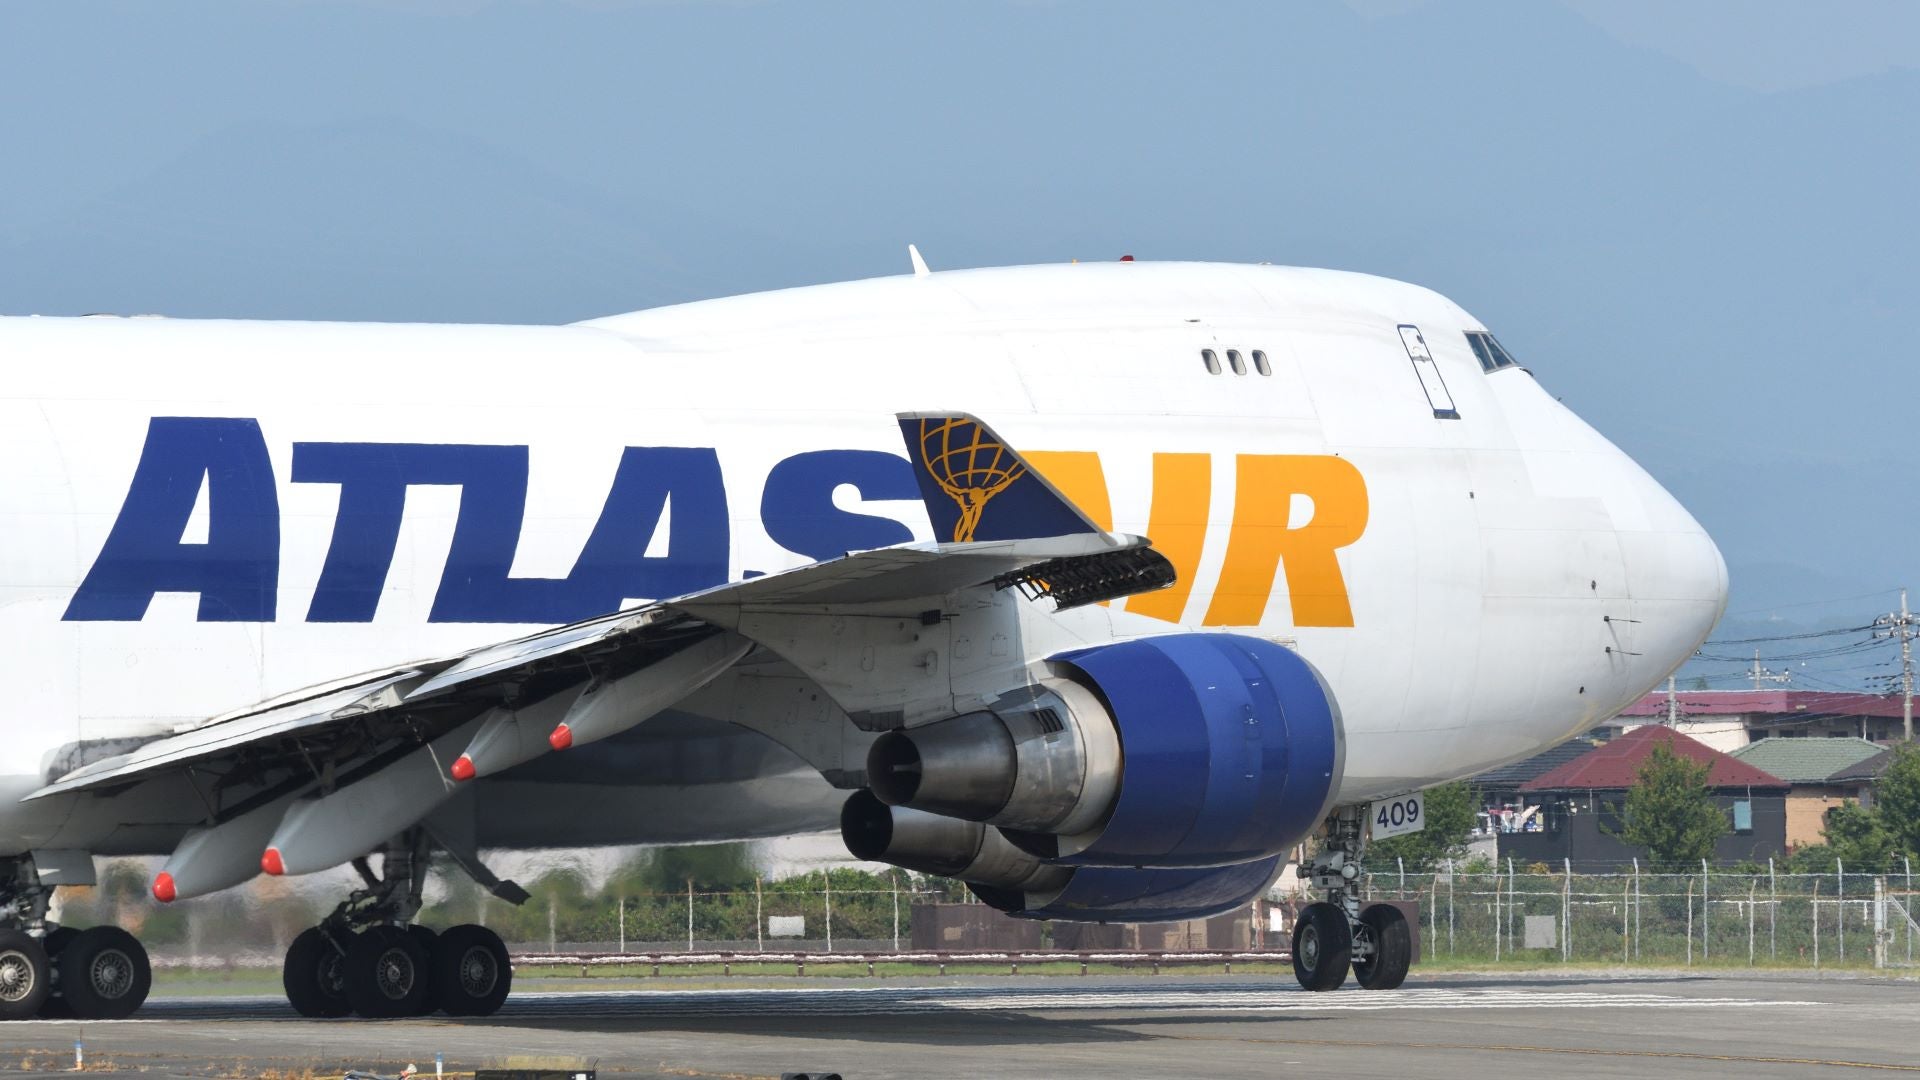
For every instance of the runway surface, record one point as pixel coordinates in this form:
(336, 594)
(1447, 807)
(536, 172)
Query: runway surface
(1438, 1027)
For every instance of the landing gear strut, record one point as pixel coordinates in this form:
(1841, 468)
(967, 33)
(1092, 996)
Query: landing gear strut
(1337, 933)
(367, 958)
(100, 973)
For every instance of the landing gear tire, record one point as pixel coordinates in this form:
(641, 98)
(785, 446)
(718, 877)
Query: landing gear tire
(104, 974)
(314, 976)
(1390, 950)
(430, 1000)
(471, 973)
(55, 1007)
(1322, 947)
(25, 976)
(386, 970)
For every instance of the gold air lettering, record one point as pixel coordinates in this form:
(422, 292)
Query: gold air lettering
(1265, 540)
(1078, 476)
(1177, 522)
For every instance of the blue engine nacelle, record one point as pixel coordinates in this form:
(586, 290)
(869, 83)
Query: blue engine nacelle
(1184, 750)
(1112, 894)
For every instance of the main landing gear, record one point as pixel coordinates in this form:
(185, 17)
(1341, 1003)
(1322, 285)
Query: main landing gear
(1337, 933)
(368, 959)
(52, 971)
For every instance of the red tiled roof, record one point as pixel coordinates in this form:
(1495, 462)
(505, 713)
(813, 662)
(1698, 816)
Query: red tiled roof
(1767, 703)
(1616, 765)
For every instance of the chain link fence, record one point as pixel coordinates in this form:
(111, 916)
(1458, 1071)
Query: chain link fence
(1718, 917)
(1518, 914)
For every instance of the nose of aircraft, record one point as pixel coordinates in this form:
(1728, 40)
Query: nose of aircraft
(1676, 575)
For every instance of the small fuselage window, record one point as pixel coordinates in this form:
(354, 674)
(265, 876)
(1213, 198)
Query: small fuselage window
(1238, 365)
(1212, 360)
(1489, 352)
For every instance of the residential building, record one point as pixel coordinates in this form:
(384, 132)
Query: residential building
(1809, 765)
(1579, 805)
(1729, 719)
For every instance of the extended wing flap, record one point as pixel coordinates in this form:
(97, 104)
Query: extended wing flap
(239, 729)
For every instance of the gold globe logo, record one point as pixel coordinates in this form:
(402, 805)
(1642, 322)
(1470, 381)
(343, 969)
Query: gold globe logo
(968, 465)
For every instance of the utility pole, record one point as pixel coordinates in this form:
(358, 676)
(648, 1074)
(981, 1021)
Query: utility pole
(1762, 674)
(1673, 705)
(1900, 625)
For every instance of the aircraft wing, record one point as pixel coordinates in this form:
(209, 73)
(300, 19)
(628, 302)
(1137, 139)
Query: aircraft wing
(1023, 535)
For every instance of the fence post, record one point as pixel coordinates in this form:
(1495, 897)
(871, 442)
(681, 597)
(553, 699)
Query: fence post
(689, 914)
(1705, 923)
(1816, 924)
(552, 920)
(1626, 941)
(1689, 922)
(896, 910)
(1753, 889)
(1773, 913)
(826, 881)
(1496, 914)
(1450, 913)
(1840, 910)
(1566, 910)
(1401, 862)
(759, 920)
(623, 924)
(1879, 922)
(1637, 935)
(1510, 905)
(1908, 906)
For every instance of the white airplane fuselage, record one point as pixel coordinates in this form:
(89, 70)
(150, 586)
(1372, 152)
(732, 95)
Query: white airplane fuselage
(198, 515)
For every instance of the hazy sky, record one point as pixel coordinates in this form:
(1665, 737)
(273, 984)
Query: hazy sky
(1694, 221)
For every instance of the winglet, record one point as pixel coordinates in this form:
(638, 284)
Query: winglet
(919, 264)
(976, 487)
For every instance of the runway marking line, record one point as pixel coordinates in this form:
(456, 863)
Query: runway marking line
(1581, 1051)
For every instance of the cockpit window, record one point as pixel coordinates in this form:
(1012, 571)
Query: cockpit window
(1489, 352)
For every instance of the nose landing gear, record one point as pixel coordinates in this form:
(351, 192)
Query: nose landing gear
(1337, 933)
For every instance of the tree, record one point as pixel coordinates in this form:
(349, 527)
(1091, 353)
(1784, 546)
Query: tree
(1450, 811)
(1671, 813)
(1896, 799)
(1856, 839)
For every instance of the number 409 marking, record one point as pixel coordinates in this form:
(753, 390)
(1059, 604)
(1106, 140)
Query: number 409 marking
(1395, 817)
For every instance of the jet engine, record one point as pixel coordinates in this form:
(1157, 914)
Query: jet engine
(1179, 751)
(1015, 881)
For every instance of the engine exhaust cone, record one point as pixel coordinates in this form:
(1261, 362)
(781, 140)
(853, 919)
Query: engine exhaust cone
(963, 767)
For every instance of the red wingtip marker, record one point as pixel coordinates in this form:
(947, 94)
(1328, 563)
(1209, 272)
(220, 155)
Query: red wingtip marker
(270, 862)
(163, 889)
(561, 738)
(462, 768)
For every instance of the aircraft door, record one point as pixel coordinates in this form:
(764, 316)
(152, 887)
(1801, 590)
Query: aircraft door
(1429, 373)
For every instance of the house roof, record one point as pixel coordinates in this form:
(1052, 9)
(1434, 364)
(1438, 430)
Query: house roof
(1519, 772)
(1868, 770)
(1781, 703)
(1616, 765)
(1806, 761)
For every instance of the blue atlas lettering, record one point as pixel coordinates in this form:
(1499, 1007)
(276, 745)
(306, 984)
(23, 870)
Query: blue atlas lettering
(475, 586)
(797, 505)
(236, 571)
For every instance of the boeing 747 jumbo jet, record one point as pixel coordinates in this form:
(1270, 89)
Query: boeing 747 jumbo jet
(1097, 587)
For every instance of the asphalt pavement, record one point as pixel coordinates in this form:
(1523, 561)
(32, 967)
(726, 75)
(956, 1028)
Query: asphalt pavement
(1438, 1027)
